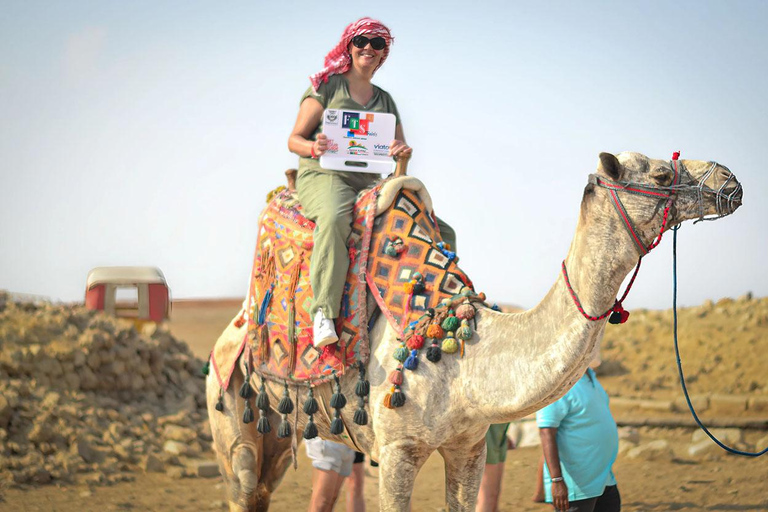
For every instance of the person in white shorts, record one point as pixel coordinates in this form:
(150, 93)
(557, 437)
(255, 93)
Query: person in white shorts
(333, 462)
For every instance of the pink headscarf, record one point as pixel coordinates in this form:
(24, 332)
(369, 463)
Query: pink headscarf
(339, 60)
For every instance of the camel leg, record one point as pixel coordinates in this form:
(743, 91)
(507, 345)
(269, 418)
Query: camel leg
(400, 462)
(252, 464)
(464, 464)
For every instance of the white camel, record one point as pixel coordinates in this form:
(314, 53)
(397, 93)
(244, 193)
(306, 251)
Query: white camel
(516, 363)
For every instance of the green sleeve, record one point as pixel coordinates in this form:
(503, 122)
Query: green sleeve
(321, 95)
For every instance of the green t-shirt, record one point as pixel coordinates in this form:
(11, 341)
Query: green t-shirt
(335, 94)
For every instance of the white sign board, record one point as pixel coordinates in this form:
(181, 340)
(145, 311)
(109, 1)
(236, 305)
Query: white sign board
(358, 141)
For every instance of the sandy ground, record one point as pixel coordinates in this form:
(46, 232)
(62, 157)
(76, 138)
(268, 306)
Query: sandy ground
(641, 364)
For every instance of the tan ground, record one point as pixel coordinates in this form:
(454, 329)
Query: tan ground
(724, 351)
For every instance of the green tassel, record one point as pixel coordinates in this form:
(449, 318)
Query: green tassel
(398, 397)
(310, 432)
(246, 391)
(337, 426)
(451, 323)
(262, 401)
(401, 353)
(310, 405)
(284, 429)
(263, 425)
(220, 404)
(338, 400)
(361, 416)
(207, 368)
(247, 413)
(285, 406)
(363, 387)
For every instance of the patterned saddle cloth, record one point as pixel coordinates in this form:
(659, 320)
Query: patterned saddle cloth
(396, 254)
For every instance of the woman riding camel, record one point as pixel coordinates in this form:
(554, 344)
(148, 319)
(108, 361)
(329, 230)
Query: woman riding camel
(327, 196)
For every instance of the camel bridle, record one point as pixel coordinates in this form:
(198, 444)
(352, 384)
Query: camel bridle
(724, 204)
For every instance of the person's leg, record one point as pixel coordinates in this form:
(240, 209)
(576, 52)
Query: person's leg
(496, 454)
(538, 494)
(610, 501)
(355, 485)
(325, 490)
(326, 478)
(490, 488)
(329, 202)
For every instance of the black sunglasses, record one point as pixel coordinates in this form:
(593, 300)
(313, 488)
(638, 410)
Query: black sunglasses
(377, 43)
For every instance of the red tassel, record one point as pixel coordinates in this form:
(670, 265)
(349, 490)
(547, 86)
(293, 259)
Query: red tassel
(676, 155)
(415, 342)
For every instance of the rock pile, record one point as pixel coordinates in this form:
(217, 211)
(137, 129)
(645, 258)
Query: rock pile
(87, 396)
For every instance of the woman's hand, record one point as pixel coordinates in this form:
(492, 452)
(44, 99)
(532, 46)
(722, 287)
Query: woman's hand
(398, 148)
(320, 145)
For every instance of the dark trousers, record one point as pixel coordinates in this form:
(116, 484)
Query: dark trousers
(609, 501)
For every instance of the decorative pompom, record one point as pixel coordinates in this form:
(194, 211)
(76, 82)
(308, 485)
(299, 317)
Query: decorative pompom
(434, 353)
(207, 367)
(401, 353)
(413, 361)
(247, 414)
(436, 332)
(263, 425)
(396, 377)
(408, 287)
(465, 331)
(466, 291)
(446, 301)
(310, 405)
(395, 247)
(310, 431)
(246, 391)
(361, 417)
(390, 251)
(337, 426)
(418, 287)
(220, 404)
(262, 401)
(338, 400)
(284, 429)
(285, 406)
(362, 388)
(398, 398)
(466, 311)
(415, 342)
(240, 322)
(450, 345)
(430, 312)
(451, 323)
(388, 401)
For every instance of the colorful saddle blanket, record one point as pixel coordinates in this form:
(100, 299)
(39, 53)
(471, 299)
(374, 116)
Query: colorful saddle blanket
(396, 254)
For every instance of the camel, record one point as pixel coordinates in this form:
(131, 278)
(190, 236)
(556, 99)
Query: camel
(517, 363)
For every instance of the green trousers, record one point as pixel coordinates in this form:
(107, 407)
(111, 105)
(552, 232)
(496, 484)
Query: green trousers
(328, 199)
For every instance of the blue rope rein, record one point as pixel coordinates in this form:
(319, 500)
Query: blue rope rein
(680, 366)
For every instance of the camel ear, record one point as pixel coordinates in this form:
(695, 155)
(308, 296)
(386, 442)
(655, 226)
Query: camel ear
(610, 166)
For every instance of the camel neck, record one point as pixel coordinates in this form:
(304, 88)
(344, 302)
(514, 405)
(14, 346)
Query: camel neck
(536, 355)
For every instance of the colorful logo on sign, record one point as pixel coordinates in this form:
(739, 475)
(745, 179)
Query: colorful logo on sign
(355, 148)
(356, 126)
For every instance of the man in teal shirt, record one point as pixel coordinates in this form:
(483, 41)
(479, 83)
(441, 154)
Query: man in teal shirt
(580, 444)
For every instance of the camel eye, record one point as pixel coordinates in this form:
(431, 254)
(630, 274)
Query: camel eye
(661, 176)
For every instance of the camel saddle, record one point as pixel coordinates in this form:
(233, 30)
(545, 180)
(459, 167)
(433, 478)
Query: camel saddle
(396, 254)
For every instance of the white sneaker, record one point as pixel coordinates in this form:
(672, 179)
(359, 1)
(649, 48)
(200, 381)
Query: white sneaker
(324, 331)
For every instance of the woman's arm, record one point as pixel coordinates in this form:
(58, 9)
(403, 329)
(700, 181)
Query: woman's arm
(552, 456)
(398, 147)
(310, 115)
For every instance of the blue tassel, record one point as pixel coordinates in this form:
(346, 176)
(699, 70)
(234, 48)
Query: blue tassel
(263, 308)
(448, 254)
(413, 361)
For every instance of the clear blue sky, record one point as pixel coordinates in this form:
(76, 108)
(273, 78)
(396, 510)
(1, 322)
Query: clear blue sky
(148, 133)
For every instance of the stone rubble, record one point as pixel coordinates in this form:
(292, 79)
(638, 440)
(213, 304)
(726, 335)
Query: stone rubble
(86, 397)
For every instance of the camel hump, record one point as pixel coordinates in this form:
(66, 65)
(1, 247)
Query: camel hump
(392, 187)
